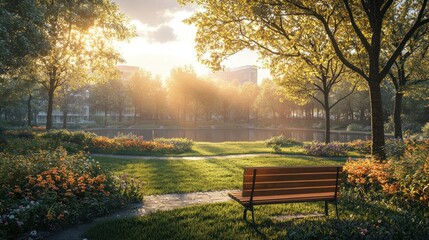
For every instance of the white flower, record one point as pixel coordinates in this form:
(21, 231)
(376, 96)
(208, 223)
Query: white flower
(33, 233)
(11, 216)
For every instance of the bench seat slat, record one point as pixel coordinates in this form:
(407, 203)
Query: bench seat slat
(283, 170)
(289, 184)
(290, 191)
(290, 177)
(282, 198)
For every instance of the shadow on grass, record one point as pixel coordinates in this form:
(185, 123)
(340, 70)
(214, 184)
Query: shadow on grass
(360, 219)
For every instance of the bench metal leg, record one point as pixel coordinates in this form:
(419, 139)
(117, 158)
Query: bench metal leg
(326, 208)
(336, 209)
(245, 214)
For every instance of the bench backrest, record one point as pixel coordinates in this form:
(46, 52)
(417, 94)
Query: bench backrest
(273, 181)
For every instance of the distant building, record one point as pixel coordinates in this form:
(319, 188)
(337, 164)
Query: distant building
(127, 71)
(248, 73)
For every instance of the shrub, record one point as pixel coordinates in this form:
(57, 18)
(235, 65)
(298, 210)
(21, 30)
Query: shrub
(407, 175)
(425, 130)
(180, 145)
(47, 189)
(395, 148)
(333, 149)
(360, 146)
(81, 138)
(28, 134)
(136, 145)
(277, 142)
(355, 127)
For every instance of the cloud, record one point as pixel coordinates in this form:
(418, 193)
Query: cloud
(163, 34)
(151, 12)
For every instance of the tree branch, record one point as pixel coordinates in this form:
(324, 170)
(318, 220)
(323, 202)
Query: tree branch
(362, 38)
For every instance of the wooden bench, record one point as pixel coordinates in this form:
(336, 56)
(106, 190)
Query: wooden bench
(275, 185)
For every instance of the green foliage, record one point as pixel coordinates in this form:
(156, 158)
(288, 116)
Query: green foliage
(395, 148)
(333, 149)
(81, 138)
(405, 175)
(355, 127)
(277, 142)
(180, 145)
(45, 190)
(360, 146)
(21, 35)
(425, 130)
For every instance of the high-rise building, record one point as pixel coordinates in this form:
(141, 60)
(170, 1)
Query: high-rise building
(248, 73)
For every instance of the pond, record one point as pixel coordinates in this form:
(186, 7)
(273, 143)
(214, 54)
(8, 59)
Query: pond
(234, 134)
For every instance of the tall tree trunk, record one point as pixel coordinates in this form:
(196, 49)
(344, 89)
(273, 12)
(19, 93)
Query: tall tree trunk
(135, 115)
(51, 92)
(397, 114)
(29, 109)
(377, 125)
(105, 114)
(327, 118)
(65, 115)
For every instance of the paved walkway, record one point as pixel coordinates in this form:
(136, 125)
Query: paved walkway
(151, 204)
(191, 158)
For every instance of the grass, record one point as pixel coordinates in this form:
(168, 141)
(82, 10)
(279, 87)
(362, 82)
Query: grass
(174, 176)
(231, 148)
(363, 215)
(361, 218)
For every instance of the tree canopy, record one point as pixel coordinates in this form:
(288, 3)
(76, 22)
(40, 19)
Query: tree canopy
(357, 30)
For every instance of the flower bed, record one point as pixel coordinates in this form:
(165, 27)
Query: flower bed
(45, 190)
(407, 176)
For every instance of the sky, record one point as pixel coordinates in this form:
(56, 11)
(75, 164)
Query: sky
(165, 42)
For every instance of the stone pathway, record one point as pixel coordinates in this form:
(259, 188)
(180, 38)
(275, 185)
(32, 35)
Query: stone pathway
(191, 158)
(151, 204)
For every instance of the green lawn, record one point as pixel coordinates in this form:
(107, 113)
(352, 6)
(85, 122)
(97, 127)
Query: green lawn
(363, 216)
(174, 176)
(360, 219)
(230, 148)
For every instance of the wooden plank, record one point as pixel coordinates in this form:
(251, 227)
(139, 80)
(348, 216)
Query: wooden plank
(287, 184)
(290, 191)
(283, 170)
(290, 177)
(284, 198)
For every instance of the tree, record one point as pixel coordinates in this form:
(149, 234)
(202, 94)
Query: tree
(81, 35)
(21, 37)
(316, 74)
(268, 99)
(226, 27)
(410, 68)
(147, 94)
(248, 93)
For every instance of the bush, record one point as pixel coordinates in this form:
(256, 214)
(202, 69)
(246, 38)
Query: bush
(333, 149)
(48, 189)
(277, 142)
(407, 175)
(360, 146)
(136, 145)
(180, 145)
(28, 134)
(425, 130)
(81, 138)
(355, 127)
(395, 148)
